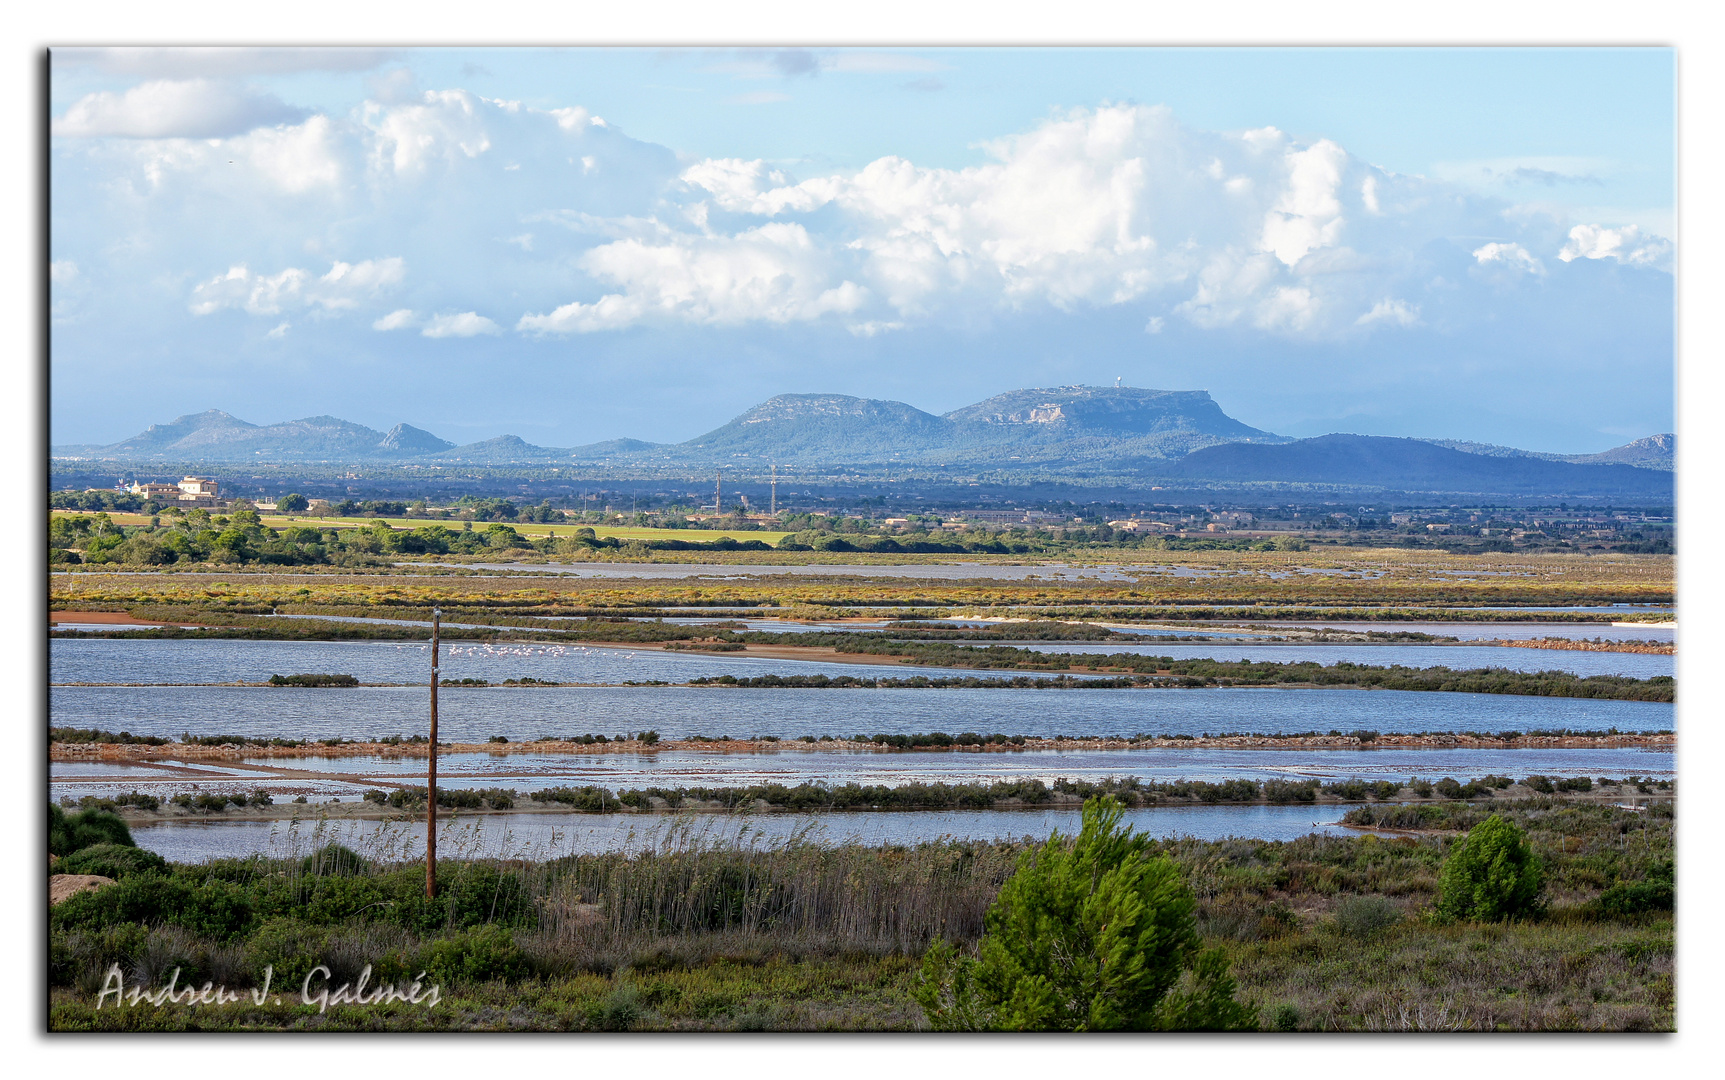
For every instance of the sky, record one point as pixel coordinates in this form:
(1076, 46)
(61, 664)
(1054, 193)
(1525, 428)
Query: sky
(582, 244)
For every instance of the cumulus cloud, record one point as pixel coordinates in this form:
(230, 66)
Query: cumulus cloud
(1625, 244)
(407, 138)
(1108, 206)
(279, 332)
(399, 319)
(466, 324)
(169, 108)
(345, 286)
(1511, 255)
(772, 273)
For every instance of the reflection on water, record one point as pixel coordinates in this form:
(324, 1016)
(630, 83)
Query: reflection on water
(526, 713)
(119, 660)
(546, 836)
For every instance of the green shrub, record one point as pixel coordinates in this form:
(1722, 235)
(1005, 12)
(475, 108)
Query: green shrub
(621, 1009)
(1097, 934)
(477, 955)
(110, 860)
(1541, 784)
(215, 909)
(1656, 892)
(1492, 874)
(86, 828)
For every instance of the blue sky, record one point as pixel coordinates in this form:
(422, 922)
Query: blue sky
(575, 245)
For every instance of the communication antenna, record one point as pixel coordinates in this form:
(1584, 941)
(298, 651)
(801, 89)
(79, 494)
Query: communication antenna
(775, 505)
(718, 503)
(1117, 379)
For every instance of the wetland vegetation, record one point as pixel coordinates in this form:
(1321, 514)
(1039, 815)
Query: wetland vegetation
(1321, 933)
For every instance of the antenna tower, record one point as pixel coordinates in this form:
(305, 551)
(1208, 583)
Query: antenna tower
(718, 502)
(775, 507)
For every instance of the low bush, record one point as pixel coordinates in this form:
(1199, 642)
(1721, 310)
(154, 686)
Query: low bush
(115, 861)
(1363, 917)
(86, 828)
(1656, 892)
(477, 955)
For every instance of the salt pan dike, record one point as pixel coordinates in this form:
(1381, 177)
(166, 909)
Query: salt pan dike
(529, 713)
(321, 779)
(1454, 657)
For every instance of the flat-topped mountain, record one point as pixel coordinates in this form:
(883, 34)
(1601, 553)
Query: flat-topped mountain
(1118, 411)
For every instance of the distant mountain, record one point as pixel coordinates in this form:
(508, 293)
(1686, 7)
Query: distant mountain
(216, 436)
(1412, 465)
(1063, 426)
(1109, 411)
(610, 448)
(405, 439)
(1072, 431)
(826, 427)
(503, 450)
(1653, 452)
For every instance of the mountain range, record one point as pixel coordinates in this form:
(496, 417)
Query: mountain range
(1180, 435)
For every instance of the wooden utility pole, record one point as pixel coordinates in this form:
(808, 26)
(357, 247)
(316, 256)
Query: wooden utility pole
(431, 771)
(775, 508)
(718, 502)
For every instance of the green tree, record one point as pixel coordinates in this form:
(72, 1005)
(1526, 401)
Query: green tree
(1493, 874)
(1092, 934)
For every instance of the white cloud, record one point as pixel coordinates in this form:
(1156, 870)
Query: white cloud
(408, 138)
(1101, 207)
(1307, 214)
(399, 319)
(1625, 244)
(62, 272)
(1510, 255)
(772, 273)
(466, 324)
(345, 286)
(1395, 312)
(279, 332)
(167, 108)
(1155, 325)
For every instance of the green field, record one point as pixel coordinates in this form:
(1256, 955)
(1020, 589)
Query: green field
(281, 521)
